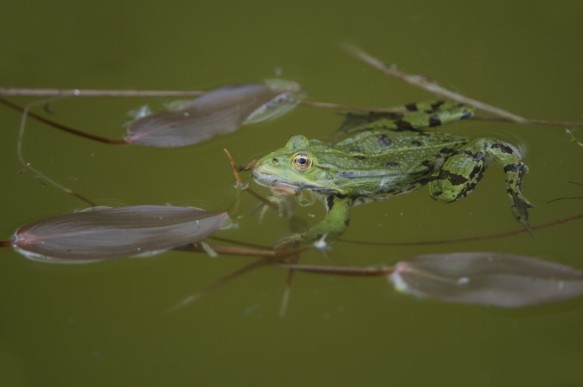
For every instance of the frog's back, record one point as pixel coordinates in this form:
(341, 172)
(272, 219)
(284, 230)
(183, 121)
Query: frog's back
(398, 142)
(382, 162)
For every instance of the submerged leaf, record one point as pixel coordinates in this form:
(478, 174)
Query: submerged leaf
(483, 278)
(107, 233)
(219, 111)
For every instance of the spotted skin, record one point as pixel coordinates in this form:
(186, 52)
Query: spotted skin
(462, 171)
(415, 117)
(384, 155)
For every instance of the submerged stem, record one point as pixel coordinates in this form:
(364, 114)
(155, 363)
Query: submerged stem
(26, 112)
(220, 283)
(31, 92)
(29, 167)
(340, 270)
(499, 235)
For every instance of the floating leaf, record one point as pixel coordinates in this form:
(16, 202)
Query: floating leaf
(287, 98)
(219, 111)
(487, 279)
(107, 233)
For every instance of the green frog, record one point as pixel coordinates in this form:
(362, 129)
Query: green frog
(383, 155)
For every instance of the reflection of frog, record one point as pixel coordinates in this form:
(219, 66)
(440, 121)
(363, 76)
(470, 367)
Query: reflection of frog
(387, 155)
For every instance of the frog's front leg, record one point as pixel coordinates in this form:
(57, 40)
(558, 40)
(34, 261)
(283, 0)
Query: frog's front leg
(336, 221)
(332, 226)
(462, 171)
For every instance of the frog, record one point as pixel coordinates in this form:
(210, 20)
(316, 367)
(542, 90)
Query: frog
(382, 155)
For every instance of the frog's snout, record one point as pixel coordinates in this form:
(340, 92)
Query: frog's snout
(263, 166)
(267, 163)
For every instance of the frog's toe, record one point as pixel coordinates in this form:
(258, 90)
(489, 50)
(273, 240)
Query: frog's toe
(520, 206)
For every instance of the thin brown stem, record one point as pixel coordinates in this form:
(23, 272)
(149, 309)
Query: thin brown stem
(235, 169)
(528, 121)
(245, 186)
(351, 108)
(83, 198)
(564, 198)
(429, 85)
(245, 251)
(413, 79)
(288, 285)
(238, 243)
(220, 283)
(339, 270)
(62, 127)
(31, 92)
(6, 243)
(231, 250)
(504, 234)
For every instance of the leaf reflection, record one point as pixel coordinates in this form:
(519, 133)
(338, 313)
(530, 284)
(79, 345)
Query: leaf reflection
(484, 278)
(108, 233)
(219, 111)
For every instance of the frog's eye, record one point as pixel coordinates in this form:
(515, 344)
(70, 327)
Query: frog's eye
(301, 162)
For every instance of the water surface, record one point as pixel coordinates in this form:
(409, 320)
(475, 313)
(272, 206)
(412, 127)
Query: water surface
(107, 324)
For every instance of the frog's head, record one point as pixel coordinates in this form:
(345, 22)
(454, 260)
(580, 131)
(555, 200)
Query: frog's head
(292, 168)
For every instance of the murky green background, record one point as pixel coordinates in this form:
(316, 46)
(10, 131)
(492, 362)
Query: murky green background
(107, 323)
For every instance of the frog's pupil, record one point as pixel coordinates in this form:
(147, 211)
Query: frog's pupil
(302, 160)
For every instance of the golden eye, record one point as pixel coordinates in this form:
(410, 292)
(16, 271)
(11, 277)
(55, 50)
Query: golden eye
(301, 162)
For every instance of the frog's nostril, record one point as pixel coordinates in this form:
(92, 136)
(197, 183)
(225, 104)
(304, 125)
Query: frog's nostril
(275, 160)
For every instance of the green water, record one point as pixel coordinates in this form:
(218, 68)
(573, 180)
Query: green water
(107, 323)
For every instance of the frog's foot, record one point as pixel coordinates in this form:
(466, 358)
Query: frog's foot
(462, 171)
(520, 204)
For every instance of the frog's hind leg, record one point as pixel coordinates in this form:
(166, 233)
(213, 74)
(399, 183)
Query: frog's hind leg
(510, 159)
(463, 170)
(423, 115)
(414, 116)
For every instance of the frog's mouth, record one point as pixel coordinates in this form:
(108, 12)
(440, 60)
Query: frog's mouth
(272, 182)
(276, 185)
